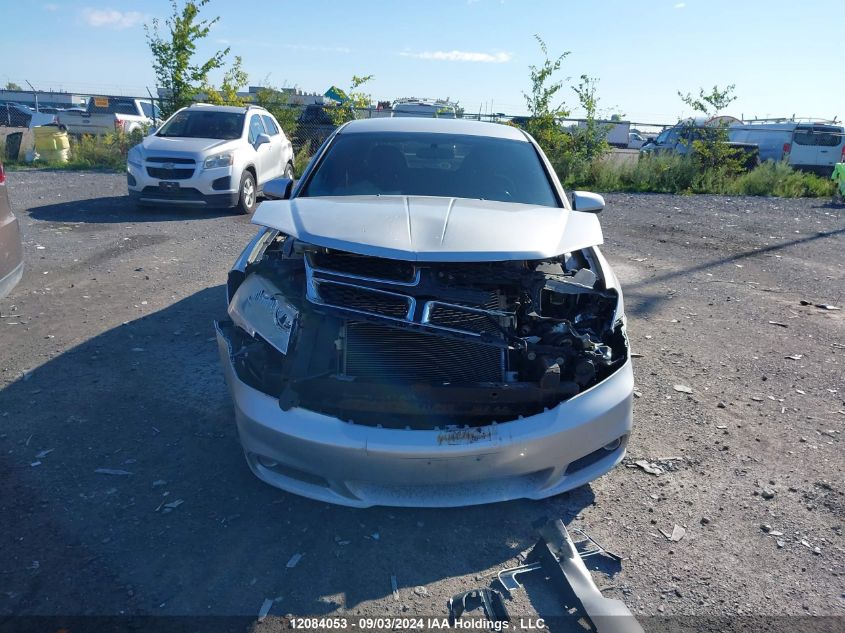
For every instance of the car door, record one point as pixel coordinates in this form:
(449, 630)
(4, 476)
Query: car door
(804, 150)
(828, 147)
(263, 153)
(278, 143)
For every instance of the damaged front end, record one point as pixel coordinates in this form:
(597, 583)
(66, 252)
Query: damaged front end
(421, 345)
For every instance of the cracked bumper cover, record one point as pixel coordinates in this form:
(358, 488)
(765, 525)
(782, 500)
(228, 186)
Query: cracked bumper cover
(327, 459)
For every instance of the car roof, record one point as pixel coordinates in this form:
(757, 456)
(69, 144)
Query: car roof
(223, 108)
(434, 126)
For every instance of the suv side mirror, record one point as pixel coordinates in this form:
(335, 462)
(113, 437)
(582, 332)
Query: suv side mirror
(278, 188)
(261, 140)
(587, 202)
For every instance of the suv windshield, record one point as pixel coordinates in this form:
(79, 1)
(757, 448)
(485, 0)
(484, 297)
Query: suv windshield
(201, 124)
(432, 164)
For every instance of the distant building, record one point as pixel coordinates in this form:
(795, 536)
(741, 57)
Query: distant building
(44, 98)
(294, 96)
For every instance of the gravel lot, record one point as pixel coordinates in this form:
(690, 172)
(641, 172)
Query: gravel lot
(108, 361)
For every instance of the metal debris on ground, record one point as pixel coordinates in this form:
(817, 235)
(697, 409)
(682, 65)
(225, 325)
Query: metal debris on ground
(294, 560)
(823, 306)
(265, 609)
(489, 600)
(795, 357)
(778, 323)
(112, 471)
(557, 555)
(651, 469)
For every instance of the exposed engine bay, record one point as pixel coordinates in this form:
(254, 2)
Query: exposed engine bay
(401, 344)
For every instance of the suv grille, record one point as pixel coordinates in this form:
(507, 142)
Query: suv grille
(170, 174)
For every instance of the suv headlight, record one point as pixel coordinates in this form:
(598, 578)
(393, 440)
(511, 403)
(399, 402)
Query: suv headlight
(258, 307)
(134, 157)
(218, 160)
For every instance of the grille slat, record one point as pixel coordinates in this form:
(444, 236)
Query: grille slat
(170, 174)
(385, 354)
(388, 270)
(175, 161)
(364, 299)
(457, 318)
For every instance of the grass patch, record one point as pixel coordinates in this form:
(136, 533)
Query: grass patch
(106, 152)
(683, 175)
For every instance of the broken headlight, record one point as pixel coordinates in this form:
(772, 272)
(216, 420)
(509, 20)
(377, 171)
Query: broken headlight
(258, 307)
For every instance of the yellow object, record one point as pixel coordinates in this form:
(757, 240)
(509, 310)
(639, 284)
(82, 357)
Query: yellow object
(51, 144)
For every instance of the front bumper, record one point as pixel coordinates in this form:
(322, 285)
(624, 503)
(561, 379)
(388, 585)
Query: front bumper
(202, 189)
(327, 459)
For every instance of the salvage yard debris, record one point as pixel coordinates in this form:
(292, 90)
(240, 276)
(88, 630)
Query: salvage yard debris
(112, 471)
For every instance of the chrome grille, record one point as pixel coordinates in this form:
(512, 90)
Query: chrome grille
(361, 299)
(376, 352)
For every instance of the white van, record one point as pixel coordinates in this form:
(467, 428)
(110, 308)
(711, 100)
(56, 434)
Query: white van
(813, 147)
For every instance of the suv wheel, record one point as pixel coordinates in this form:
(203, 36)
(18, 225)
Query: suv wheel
(249, 193)
(288, 171)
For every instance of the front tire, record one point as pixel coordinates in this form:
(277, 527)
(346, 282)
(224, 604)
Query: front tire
(288, 173)
(248, 193)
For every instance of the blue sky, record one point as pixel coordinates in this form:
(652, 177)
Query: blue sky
(781, 56)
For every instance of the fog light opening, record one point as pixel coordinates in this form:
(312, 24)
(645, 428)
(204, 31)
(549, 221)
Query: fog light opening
(267, 462)
(613, 445)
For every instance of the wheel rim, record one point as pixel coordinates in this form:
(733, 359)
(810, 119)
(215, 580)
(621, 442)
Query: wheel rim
(249, 192)
(288, 172)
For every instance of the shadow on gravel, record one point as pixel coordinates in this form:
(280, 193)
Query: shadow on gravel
(648, 303)
(119, 209)
(177, 524)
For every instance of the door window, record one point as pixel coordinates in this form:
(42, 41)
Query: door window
(270, 125)
(256, 128)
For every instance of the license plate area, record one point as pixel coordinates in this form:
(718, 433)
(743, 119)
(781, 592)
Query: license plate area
(168, 185)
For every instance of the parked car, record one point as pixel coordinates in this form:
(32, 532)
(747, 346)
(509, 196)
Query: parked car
(11, 253)
(314, 125)
(426, 320)
(424, 107)
(635, 141)
(210, 156)
(679, 139)
(107, 114)
(19, 115)
(815, 147)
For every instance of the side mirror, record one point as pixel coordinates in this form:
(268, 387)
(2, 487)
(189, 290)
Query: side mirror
(587, 202)
(278, 188)
(261, 140)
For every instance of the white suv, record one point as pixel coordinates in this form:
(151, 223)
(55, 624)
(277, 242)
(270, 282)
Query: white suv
(210, 156)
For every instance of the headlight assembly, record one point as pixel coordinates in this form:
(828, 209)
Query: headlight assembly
(259, 308)
(218, 160)
(134, 157)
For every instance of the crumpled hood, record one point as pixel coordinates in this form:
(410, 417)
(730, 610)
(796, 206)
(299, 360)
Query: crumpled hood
(421, 228)
(183, 146)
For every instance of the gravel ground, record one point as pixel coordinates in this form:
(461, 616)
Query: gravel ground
(108, 361)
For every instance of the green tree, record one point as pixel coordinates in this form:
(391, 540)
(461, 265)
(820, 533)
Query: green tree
(173, 53)
(227, 93)
(710, 148)
(544, 107)
(351, 100)
(11, 85)
(589, 141)
(279, 105)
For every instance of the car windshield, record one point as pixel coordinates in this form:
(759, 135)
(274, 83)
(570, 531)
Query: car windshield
(432, 164)
(199, 124)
